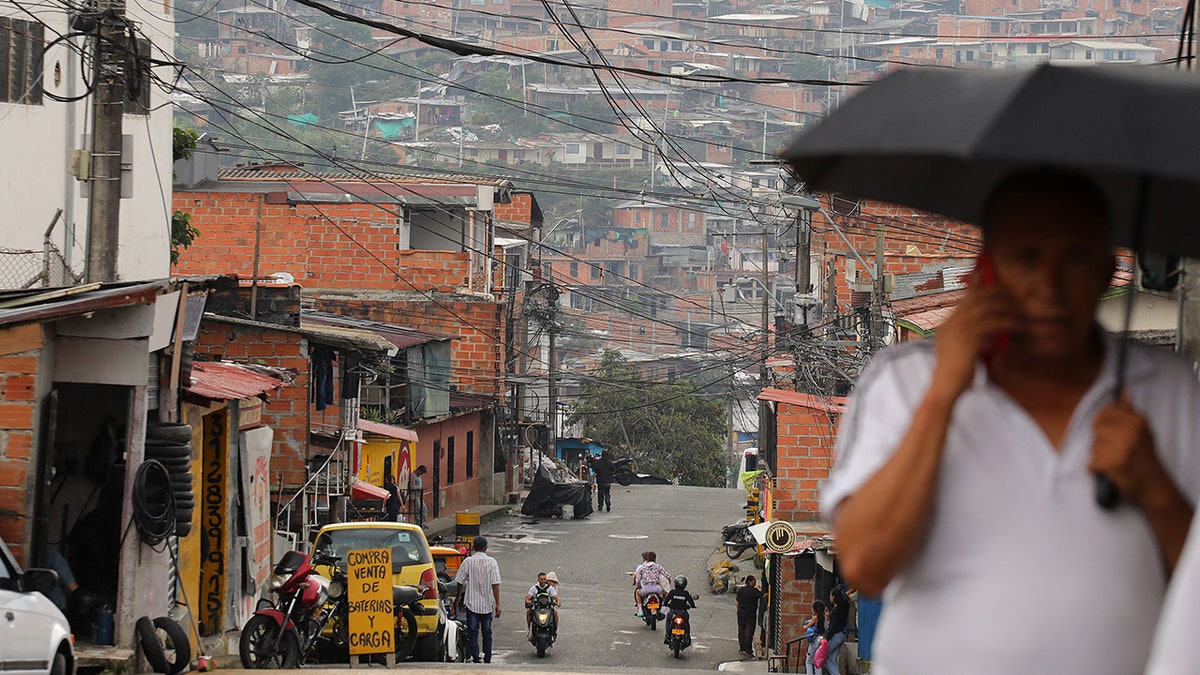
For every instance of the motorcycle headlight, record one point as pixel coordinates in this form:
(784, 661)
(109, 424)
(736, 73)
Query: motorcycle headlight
(336, 588)
(278, 581)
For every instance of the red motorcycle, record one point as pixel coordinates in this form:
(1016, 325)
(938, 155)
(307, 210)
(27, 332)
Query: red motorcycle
(311, 614)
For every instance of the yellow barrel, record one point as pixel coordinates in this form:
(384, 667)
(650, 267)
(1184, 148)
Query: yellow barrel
(466, 526)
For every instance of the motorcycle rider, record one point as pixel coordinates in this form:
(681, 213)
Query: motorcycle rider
(678, 600)
(647, 578)
(543, 586)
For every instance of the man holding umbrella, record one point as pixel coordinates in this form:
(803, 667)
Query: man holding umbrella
(963, 486)
(968, 480)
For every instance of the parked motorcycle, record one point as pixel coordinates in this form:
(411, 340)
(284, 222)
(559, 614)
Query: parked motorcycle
(454, 636)
(737, 539)
(311, 614)
(623, 471)
(543, 625)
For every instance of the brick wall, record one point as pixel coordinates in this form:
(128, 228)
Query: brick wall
(341, 246)
(476, 353)
(462, 492)
(286, 411)
(20, 356)
(805, 439)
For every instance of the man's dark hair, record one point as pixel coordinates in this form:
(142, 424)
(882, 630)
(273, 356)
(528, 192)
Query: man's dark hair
(479, 544)
(1046, 181)
(421, 469)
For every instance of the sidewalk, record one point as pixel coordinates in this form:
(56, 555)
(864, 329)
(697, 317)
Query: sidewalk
(745, 666)
(444, 526)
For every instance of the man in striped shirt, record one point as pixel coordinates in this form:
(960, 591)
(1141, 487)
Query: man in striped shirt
(479, 576)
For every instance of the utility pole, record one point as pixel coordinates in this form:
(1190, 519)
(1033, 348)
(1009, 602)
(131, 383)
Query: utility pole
(1189, 310)
(766, 314)
(877, 290)
(108, 110)
(731, 435)
(830, 297)
(552, 328)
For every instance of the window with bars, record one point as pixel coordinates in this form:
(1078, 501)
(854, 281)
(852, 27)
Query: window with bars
(21, 44)
(470, 454)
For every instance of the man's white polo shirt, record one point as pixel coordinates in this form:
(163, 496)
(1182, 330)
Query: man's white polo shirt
(1021, 571)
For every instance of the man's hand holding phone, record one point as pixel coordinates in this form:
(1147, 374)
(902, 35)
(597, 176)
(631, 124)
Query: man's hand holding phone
(978, 328)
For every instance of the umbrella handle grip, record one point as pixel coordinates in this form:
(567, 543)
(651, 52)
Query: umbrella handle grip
(1107, 495)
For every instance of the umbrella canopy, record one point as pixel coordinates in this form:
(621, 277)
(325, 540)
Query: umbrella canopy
(941, 139)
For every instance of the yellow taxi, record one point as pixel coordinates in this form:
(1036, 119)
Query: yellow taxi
(447, 560)
(412, 565)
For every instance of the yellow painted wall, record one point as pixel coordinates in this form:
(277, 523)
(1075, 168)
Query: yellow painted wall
(375, 449)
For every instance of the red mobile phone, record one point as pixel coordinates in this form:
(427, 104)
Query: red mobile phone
(985, 276)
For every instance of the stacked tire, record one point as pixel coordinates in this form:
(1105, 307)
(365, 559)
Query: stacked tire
(171, 444)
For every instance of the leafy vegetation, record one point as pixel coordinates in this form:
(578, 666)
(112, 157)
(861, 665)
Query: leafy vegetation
(670, 429)
(183, 233)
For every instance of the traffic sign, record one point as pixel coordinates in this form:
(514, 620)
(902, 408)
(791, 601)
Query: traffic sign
(780, 537)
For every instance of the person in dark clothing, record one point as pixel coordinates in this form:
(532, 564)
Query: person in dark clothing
(748, 597)
(602, 468)
(392, 504)
(678, 600)
(835, 633)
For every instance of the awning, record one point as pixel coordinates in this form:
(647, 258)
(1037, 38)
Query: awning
(361, 489)
(368, 427)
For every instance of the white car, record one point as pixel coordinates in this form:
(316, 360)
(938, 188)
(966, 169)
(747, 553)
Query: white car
(34, 635)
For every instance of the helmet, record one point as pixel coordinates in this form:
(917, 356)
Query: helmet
(680, 582)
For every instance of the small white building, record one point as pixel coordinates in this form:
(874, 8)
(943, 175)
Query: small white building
(1103, 51)
(46, 114)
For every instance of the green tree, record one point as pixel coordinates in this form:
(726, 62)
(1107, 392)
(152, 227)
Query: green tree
(183, 233)
(670, 430)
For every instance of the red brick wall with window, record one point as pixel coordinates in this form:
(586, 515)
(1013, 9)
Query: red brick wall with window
(286, 411)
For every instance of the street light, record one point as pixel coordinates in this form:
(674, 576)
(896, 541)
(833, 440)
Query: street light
(562, 221)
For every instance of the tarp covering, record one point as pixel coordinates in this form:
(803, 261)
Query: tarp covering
(547, 497)
(361, 489)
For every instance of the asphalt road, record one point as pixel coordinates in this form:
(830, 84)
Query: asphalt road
(593, 557)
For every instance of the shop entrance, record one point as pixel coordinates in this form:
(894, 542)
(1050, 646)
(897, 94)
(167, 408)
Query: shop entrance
(78, 517)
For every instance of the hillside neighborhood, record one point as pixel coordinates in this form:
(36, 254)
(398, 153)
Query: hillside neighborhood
(320, 242)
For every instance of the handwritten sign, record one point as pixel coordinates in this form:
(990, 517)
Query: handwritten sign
(372, 625)
(213, 600)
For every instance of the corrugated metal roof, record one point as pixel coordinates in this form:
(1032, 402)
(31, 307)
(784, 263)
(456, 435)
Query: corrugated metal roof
(46, 306)
(224, 381)
(367, 426)
(401, 336)
(276, 175)
(336, 336)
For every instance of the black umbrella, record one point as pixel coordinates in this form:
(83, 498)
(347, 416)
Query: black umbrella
(941, 139)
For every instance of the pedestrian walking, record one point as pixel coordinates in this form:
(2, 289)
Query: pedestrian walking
(748, 597)
(391, 505)
(814, 630)
(602, 468)
(835, 633)
(479, 577)
(416, 493)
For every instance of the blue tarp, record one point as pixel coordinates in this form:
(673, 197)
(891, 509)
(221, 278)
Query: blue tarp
(868, 616)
